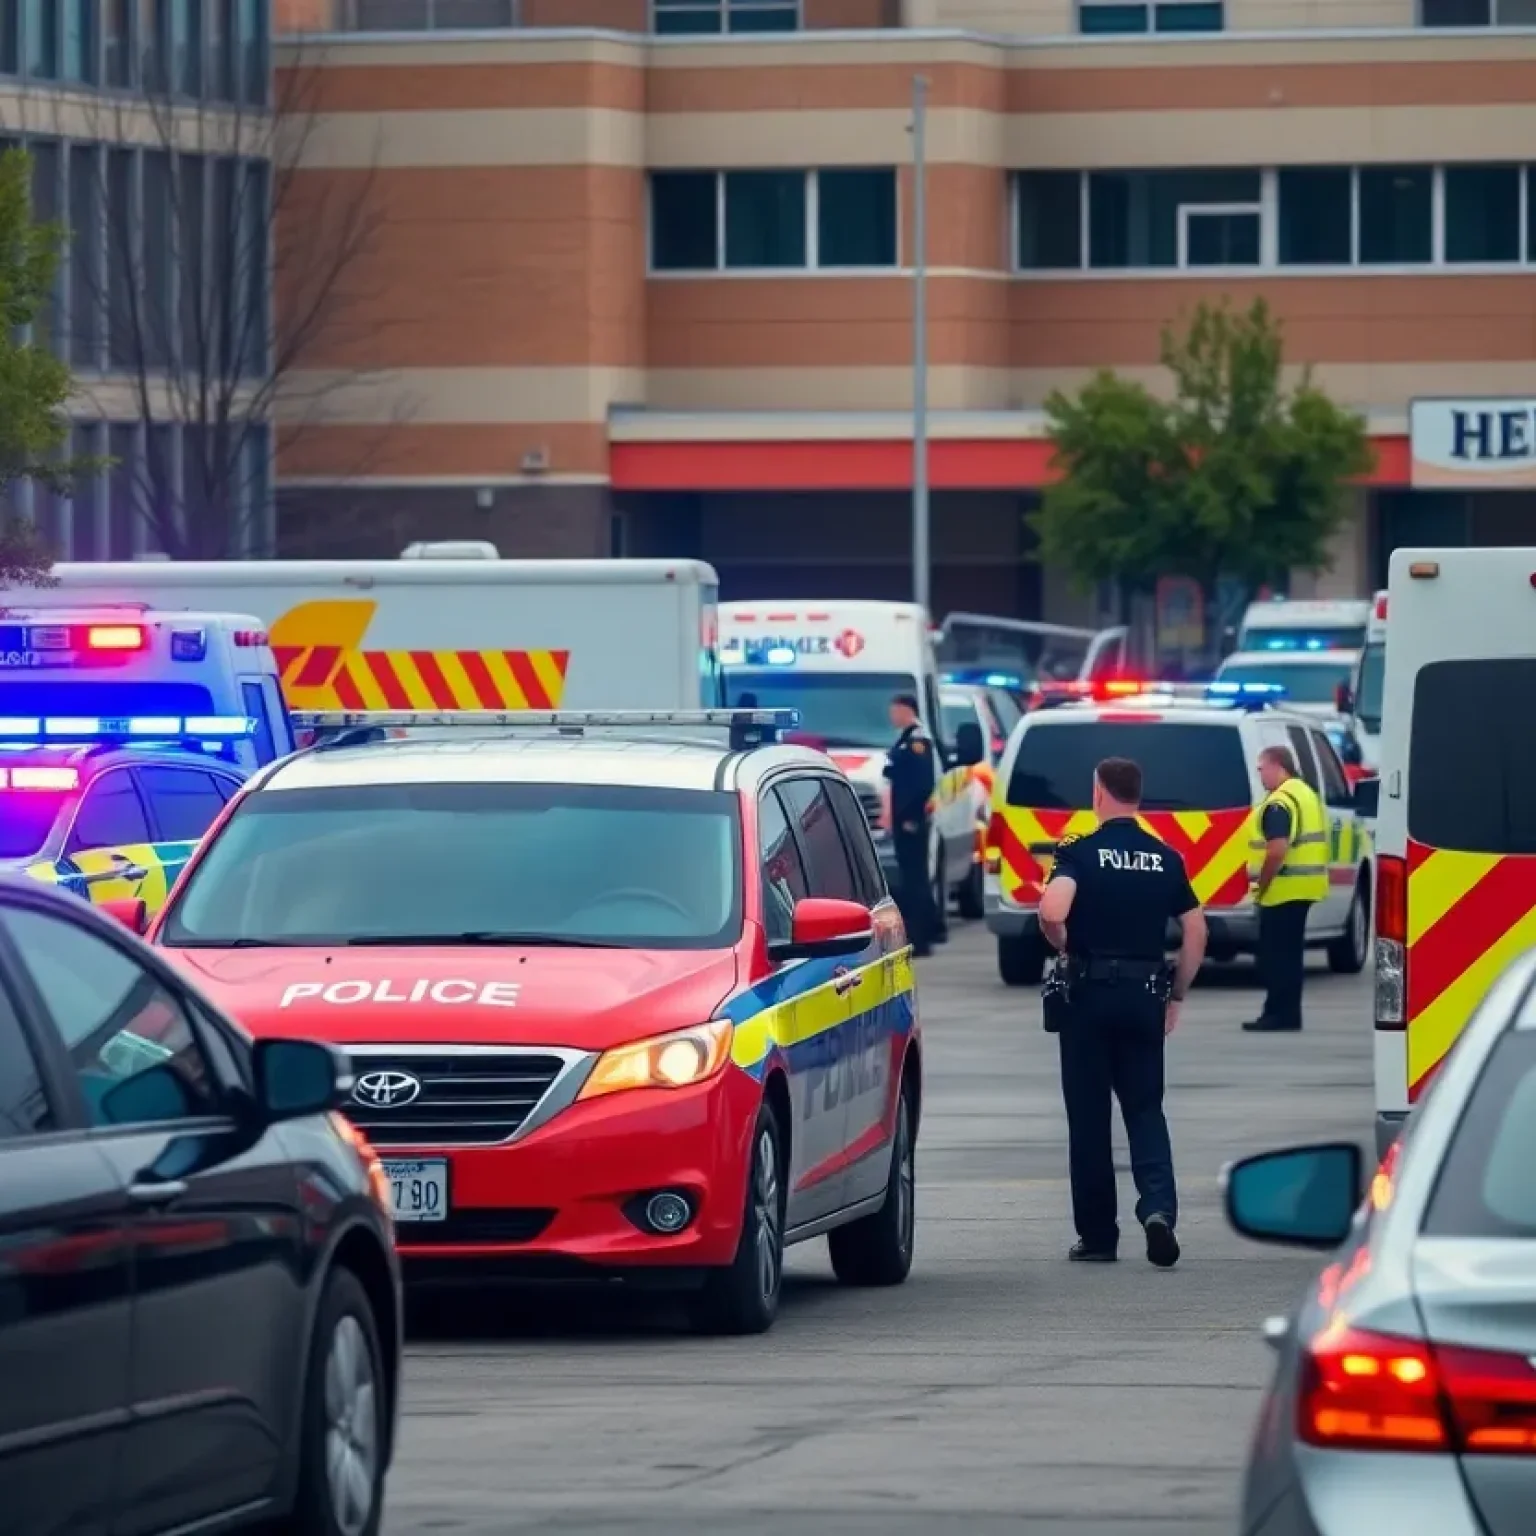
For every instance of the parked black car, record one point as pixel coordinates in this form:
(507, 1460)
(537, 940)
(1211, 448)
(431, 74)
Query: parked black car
(200, 1320)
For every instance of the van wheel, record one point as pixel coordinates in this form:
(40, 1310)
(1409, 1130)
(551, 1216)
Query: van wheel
(1020, 959)
(972, 904)
(877, 1249)
(744, 1296)
(1346, 954)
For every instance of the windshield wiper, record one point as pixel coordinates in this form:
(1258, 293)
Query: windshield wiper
(482, 936)
(244, 943)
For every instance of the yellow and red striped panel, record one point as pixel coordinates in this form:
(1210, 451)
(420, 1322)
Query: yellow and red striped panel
(1469, 915)
(330, 677)
(1213, 844)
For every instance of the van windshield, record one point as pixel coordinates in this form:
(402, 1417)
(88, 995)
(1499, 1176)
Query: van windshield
(1472, 740)
(1185, 766)
(1373, 672)
(836, 709)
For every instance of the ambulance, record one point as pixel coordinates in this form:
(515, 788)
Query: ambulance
(1456, 893)
(839, 664)
(443, 634)
(1287, 624)
(1365, 692)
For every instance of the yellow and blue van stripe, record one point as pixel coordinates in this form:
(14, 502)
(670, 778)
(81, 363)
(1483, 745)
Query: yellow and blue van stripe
(801, 1015)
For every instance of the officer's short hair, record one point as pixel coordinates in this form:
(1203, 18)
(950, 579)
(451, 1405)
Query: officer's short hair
(1282, 757)
(907, 699)
(1120, 779)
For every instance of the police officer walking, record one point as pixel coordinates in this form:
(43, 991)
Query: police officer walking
(909, 766)
(1107, 907)
(1288, 864)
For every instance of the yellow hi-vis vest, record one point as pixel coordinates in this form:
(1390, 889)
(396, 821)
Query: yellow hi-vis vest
(1304, 874)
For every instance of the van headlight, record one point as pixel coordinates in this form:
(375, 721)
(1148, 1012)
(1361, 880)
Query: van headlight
(675, 1060)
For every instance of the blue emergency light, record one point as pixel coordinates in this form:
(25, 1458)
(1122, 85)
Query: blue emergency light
(1246, 695)
(758, 656)
(85, 729)
(973, 675)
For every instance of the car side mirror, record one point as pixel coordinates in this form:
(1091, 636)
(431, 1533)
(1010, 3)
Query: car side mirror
(970, 749)
(823, 928)
(299, 1077)
(1305, 1197)
(131, 911)
(1343, 699)
(1368, 798)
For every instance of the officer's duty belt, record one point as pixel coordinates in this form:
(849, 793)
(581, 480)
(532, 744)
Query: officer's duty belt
(1109, 972)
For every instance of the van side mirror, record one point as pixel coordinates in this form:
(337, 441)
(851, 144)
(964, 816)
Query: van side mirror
(823, 928)
(1368, 798)
(1343, 699)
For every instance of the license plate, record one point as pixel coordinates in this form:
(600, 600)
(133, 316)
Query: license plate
(419, 1188)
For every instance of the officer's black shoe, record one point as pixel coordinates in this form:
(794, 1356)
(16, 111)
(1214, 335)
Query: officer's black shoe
(1267, 1026)
(1081, 1253)
(1162, 1245)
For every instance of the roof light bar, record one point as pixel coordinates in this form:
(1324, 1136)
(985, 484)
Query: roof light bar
(95, 728)
(748, 727)
(39, 777)
(115, 637)
(1249, 695)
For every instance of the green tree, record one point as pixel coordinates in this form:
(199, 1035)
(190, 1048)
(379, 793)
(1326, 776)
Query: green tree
(34, 384)
(1234, 474)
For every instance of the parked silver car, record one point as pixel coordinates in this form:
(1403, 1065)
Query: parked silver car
(1405, 1395)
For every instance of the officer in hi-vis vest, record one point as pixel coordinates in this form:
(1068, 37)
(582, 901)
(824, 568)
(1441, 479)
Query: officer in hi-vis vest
(1288, 864)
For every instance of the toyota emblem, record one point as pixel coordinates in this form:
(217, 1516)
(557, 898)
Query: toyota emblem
(387, 1090)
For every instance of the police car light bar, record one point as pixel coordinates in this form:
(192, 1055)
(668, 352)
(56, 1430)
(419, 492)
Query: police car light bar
(748, 727)
(40, 777)
(1253, 695)
(83, 729)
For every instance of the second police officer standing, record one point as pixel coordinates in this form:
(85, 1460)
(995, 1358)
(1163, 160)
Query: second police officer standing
(912, 773)
(1107, 907)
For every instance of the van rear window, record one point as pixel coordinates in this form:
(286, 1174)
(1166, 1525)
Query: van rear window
(1471, 755)
(1185, 767)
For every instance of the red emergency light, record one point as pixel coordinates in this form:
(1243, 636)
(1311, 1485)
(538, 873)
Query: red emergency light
(250, 637)
(1381, 609)
(115, 637)
(40, 777)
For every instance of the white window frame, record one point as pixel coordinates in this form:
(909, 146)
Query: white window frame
(1189, 211)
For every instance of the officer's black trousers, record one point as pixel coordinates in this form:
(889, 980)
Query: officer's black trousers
(1283, 960)
(914, 893)
(1112, 1044)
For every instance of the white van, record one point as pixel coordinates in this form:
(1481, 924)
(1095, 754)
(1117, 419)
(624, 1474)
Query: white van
(1314, 682)
(839, 664)
(1456, 828)
(1304, 624)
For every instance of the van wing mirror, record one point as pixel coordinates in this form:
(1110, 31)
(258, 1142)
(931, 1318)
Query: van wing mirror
(1368, 798)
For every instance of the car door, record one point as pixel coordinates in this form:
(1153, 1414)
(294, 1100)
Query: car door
(1345, 835)
(215, 1225)
(183, 801)
(1327, 914)
(879, 1030)
(109, 851)
(66, 1324)
(845, 994)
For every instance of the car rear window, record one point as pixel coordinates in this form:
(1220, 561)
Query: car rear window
(1185, 766)
(1485, 1188)
(1471, 746)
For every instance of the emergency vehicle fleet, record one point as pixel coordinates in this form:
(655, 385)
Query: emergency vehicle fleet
(123, 732)
(839, 664)
(1457, 818)
(438, 633)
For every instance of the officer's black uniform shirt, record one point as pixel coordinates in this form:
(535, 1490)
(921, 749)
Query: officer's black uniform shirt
(910, 767)
(1128, 885)
(1275, 822)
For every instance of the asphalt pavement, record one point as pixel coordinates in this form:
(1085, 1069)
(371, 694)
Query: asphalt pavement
(1000, 1390)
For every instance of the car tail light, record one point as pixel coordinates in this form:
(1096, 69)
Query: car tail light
(1381, 607)
(993, 861)
(114, 637)
(1374, 1392)
(1391, 942)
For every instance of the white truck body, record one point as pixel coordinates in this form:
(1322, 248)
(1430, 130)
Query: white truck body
(451, 634)
(839, 663)
(1369, 686)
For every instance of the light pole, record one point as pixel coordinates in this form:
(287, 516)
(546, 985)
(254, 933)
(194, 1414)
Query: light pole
(918, 131)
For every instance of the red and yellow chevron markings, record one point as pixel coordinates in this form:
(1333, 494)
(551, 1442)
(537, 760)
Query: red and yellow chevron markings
(1469, 916)
(1213, 845)
(318, 647)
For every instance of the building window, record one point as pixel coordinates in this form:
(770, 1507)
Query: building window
(186, 47)
(1048, 219)
(10, 37)
(1104, 19)
(1173, 218)
(47, 206)
(79, 41)
(82, 515)
(40, 38)
(255, 59)
(84, 254)
(190, 202)
(674, 17)
(1482, 213)
(159, 265)
(704, 221)
(124, 263)
(431, 15)
(1477, 13)
(122, 490)
(219, 50)
(1397, 215)
(1316, 217)
(117, 43)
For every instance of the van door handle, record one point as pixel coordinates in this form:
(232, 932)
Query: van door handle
(845, 981)
(157, 1192)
